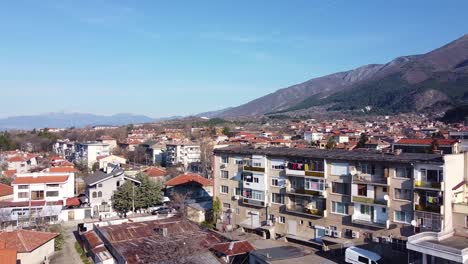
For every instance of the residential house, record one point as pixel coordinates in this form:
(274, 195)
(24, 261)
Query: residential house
(112, 142)
(156, 174)
(182, 153)
(427, 145)
(88, 152)
(6, 192)
(195, 186)
(32, 247)
(104, 161)
(233, 252)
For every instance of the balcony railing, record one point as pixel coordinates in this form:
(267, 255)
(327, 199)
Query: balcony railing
(427, 208)
(365, 178)
(315, 173)
(368, 222)
(427, 184)
(255, 169)
(253, 202)
(292, 190)
(305, 211)
(461, 208)
(367, 200)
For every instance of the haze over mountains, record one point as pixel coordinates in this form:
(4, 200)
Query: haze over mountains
(435, 81)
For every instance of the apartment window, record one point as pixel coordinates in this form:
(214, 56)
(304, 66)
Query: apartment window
(340, 188)
(432, 175)
(225, 159)
(23, 195)
(257, 195)
(403, 172)
(277, 198)
(271, 217)
(37, 195)
(99, 185)
(277, 182)
(367, 168)
(301, 222)
(23, 187)
(339, 169)
(99, 194)
(52, 185)
(239, 162)
(278, 166)
(255, 179)
(310, 224)
(314, 184)
(402, 217)
(274, 182)
(224, 189)
(226, 205)
(365, 209)
(282, 219)
(403, 194)
(238, 191)
(362, 189)
(224, 174)
(94, 195)
(117, 184)
(316, 165)
(257, 164)
(52, 193)
(339, 208)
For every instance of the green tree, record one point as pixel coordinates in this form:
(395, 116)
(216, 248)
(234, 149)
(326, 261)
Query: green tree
(148, 194)
(6, 142)
(123, 198)
(216, 209)
(226, 131)
(6, 180)
(362, 140)
(331, 143)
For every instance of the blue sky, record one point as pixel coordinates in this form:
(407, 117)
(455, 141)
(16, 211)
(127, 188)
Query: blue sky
(163, 58)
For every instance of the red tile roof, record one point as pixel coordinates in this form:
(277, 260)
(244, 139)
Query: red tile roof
(62, 169)
(5, 190)
(40, 179)
(155, 172)
(26, 240)
(9, 173)
(73, 201)
(425, 141)
(186, 178)
(8, 256)
(238, 247)
(16, 159)
(98, 158)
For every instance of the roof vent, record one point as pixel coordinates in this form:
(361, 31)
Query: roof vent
(231, 246)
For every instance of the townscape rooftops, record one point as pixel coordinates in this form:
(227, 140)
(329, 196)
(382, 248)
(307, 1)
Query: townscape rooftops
(233, 248)
(100, 176)
(191, 177)
(155, 172)
(335, 154)
(425, 141)
(26, 240)
(5, 190)
(8, 256)
(40, 179)
(62, 169)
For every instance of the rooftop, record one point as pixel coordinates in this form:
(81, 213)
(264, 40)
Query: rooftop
(40, 179)
(424, 141)
(25, 240)
(187, 178)
(336, 154)
(5, 190)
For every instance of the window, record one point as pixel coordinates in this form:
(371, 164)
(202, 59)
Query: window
(257, 164)
(52, 185)
(339, 169)
(225, 159)
(238, 191)
(339, 208)
(257, 195)
(301, 222)
(99, 185)
(117, 183)
(94, 195)
(403, 172)
(37, 195)
(277, 182)
(282, 219)
(403, 194)
(23, 195)
(274, 182)
(255, 179)
(340, 188)
(365, 209)
(314, 184)
(224, 189)
(362, 189)
(239, 162)
(310, 224)
(363, 259)
(432, 175)
(99, 194)
(316, 165)
(402, 217)
(277, 167)
(23, 187)
(224, 174)
(237, 211)
(277, 198)
(226, 205)
(52, 193)
(367, 168)
(271, 217)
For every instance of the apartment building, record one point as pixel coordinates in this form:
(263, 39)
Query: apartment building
(90, 151)
(314, 194)
(182, 153)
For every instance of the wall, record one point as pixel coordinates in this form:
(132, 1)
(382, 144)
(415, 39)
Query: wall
(38, 255)
(453, 174)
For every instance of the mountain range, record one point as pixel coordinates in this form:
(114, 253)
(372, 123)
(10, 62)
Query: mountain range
(432, 82)
(65, 120)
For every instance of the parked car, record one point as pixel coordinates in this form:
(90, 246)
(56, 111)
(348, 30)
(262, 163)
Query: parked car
(162, 210)
(361, 256)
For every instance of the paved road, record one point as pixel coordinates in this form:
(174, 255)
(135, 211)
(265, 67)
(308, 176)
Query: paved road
(68, 254)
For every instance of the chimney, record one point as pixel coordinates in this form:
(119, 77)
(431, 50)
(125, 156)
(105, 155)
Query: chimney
(231, 246)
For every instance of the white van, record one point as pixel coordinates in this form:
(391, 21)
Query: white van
(361, 256)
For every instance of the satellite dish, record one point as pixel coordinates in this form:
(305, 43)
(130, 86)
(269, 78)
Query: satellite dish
(386, 197)
(413, 222)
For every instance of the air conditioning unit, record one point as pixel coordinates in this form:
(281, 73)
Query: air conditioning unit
(328, 232)
(337, 234)
(222, 166)
(355, 234)
(236, 197)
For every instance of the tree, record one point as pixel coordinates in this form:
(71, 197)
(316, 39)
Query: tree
(331, 143)
(216, 209)
(6, 180)
(122, 200)
(95, 167)
(362, 140)
(179, 202)
(148, 194)
(226, 131)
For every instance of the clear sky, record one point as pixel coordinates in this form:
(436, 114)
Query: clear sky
(163, 58)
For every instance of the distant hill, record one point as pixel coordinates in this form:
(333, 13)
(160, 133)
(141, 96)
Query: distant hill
(64, 120)
(435, 81)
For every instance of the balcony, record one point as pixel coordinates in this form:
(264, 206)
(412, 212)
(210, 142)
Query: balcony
(429, 184)
(313, 212)
(460, 208)
(253, 202)
(428, 208)
(302, 191)
(367, 200)
(369, 179)
(303, 170)
(369, 222)
(253, 169)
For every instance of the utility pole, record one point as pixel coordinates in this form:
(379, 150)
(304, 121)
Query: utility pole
(133, 197)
